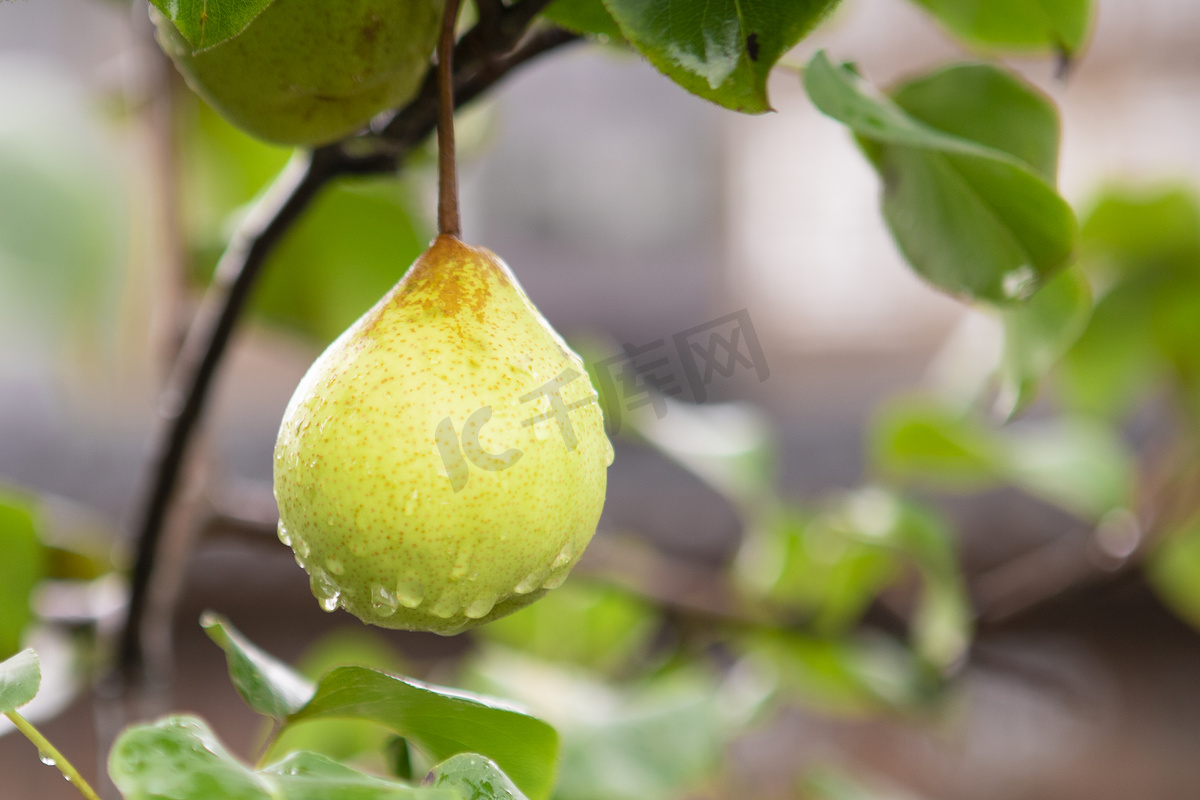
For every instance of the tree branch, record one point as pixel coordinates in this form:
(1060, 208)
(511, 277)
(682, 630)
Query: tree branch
(182, 403)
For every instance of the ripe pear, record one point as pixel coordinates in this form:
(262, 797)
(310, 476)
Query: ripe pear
(309, 72)
(443, 463)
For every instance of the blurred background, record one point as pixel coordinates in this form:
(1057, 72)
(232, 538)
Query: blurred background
(848, 578)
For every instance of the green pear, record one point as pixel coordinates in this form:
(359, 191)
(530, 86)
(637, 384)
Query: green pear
(443, 463)
(309, 72)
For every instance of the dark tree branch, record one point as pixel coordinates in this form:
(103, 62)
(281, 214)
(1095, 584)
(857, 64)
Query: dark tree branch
(186, 393)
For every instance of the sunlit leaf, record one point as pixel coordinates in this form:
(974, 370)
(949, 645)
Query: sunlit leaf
(266, 684)
(967, 211)
(20, 677)
(1046, 25)
(722, 50)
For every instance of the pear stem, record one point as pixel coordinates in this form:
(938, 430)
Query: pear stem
(449, 222)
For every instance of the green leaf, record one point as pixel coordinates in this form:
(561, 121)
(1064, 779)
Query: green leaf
(1141, 247)
(21, 567)
(1039, 333)
(474, 777)
(1058, 25)
(179, 758)
(267, 685)
(990, 106)
(934, 446)
(813, 571)
(441, 721)
(207, 23)
(584, 16)
(942, 620)
(20, 677)
(721, 50)
(970, 215)
(341, 739)
(310, 776)
(844, 675)
(1077, 463)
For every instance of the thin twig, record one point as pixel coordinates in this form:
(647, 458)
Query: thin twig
(449, 223)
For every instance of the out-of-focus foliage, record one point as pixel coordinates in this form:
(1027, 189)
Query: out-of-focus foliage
(22, 565)
(1141, 249)
(64, 217)
(1037, 25)
(650, 739)
(588, 624)
(1077, 463)
(967, 157)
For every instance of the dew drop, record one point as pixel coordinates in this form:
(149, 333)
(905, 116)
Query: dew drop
(410, 505)
(564, 556)
(383, 601)
(609, 453)
(410, 592)
(300, 546)
(282, 533)
(446, 606)
(324, 589)
(47, 760)
(480, 606)
(334, 566)
(532, 581)
(557, 579)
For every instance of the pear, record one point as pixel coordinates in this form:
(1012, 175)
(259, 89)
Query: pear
(309, 72)
(443, 463)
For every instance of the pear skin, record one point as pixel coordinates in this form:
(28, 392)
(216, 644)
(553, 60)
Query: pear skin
(444, 462)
